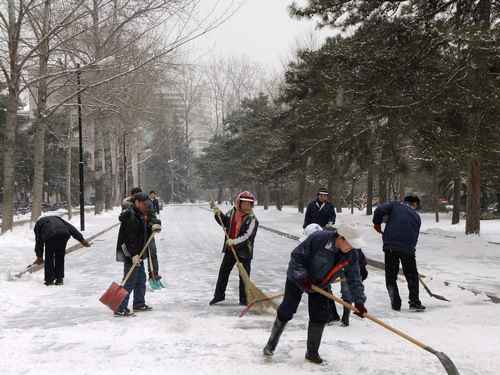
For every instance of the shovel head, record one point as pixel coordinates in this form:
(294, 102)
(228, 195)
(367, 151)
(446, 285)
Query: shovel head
(447, 363)
(114, 296)
(155, 284)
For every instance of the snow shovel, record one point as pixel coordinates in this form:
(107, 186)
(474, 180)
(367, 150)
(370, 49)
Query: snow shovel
(443, 358)
(18, 275)
(154, 283)
(437, 296)
(116, 293)
(252, 292)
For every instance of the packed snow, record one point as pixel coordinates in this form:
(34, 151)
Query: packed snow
(62, 330)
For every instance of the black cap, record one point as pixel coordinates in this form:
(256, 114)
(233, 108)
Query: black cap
(323, 191)
(413, 199)
(141, 196)
(135, 190)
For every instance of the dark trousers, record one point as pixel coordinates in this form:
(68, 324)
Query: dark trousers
(136, 283)
(153, 267)
(407, 259)
(55, 251)
(319, 306)
(227, 265)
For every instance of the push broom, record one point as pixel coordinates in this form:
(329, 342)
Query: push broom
(255, 297)
(116, 293)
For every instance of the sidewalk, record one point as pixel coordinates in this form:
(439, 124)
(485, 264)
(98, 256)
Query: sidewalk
(444, 252)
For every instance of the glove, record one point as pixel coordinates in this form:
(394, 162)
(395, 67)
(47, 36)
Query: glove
(85, 243)
(216, 211)
(156, 228)
(307, 285)
(230, 242)
(136, 259)
(378, 228)
(38, 261)
(361, 310)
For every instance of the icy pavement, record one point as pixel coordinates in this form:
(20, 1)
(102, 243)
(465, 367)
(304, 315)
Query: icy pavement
(65, 330)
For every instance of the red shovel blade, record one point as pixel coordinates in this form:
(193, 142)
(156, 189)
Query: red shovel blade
(114, 296)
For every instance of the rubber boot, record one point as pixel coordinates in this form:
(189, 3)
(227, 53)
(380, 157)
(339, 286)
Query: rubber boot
(314, 333)
(276, 332)
(345, 317)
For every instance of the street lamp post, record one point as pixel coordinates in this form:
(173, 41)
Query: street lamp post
(80, 146)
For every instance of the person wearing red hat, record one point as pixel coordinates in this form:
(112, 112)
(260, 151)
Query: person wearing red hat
(241, 225)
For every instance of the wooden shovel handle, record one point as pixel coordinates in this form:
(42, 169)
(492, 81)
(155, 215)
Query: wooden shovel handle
(370, 317)
(125, 279)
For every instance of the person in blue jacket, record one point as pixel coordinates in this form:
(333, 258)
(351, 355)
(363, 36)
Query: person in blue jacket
(400, 240)
(318, 260)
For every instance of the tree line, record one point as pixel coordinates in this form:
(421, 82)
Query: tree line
(405, 96)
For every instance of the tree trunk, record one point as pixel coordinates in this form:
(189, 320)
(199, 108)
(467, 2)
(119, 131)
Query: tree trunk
(99, 166)
(279, 198)
(369, 189)
(40, 119)
(266, 197)
(108, 174)
(301, 188)
(457, 184)
(220, 194)
(382, 186)
(435, 192)
(9, 148)
(473, 220)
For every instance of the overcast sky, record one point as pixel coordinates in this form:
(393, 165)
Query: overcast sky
(261, 29)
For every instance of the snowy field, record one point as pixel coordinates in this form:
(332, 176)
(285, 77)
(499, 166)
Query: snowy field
(65, 330)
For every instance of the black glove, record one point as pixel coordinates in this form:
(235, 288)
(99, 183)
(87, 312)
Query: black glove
(361, 310)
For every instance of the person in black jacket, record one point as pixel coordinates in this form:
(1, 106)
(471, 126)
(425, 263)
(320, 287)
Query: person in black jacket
(320, 211)
(135, 228)
(155, 201)
(241, 226)
(53, 233)
(400, 239)
(319, 260)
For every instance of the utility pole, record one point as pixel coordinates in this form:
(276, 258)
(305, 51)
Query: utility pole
(80, 145)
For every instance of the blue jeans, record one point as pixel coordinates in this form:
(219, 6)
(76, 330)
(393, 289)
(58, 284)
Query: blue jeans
(136, 283)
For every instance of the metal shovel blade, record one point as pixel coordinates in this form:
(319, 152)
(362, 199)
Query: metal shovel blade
(114, 296)
(437, 296)
(447, 363)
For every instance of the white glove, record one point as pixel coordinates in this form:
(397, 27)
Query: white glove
(136, 259)
(230, 242)
(156, 228)
(216, 211)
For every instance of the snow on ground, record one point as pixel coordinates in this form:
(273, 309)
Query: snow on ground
(444, 252)
(61, 330)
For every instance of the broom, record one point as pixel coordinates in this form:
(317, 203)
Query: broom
(257, 299)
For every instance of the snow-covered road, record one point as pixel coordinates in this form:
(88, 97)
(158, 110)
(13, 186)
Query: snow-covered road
(65, 330)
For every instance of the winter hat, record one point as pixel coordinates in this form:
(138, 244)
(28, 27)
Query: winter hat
(323, 191)
(351, 234)
(310, 229)
(141, 197)
(413, 199)
(244, 196)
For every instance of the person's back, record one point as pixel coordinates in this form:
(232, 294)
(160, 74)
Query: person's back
(402, 228)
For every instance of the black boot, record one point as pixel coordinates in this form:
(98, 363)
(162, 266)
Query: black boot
(276, 332)
(345, 317)
(417, 306)
(334, 316)
(216, 300)
(314, 333)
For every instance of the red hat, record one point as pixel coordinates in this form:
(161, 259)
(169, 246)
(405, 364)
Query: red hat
(244, 196)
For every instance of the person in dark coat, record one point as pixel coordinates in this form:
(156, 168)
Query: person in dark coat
(153, 265)
(400, 240)
(320, 211)
(155, 201)
(53, 233)
(241, 226)
(319, 260)
(136, 227)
